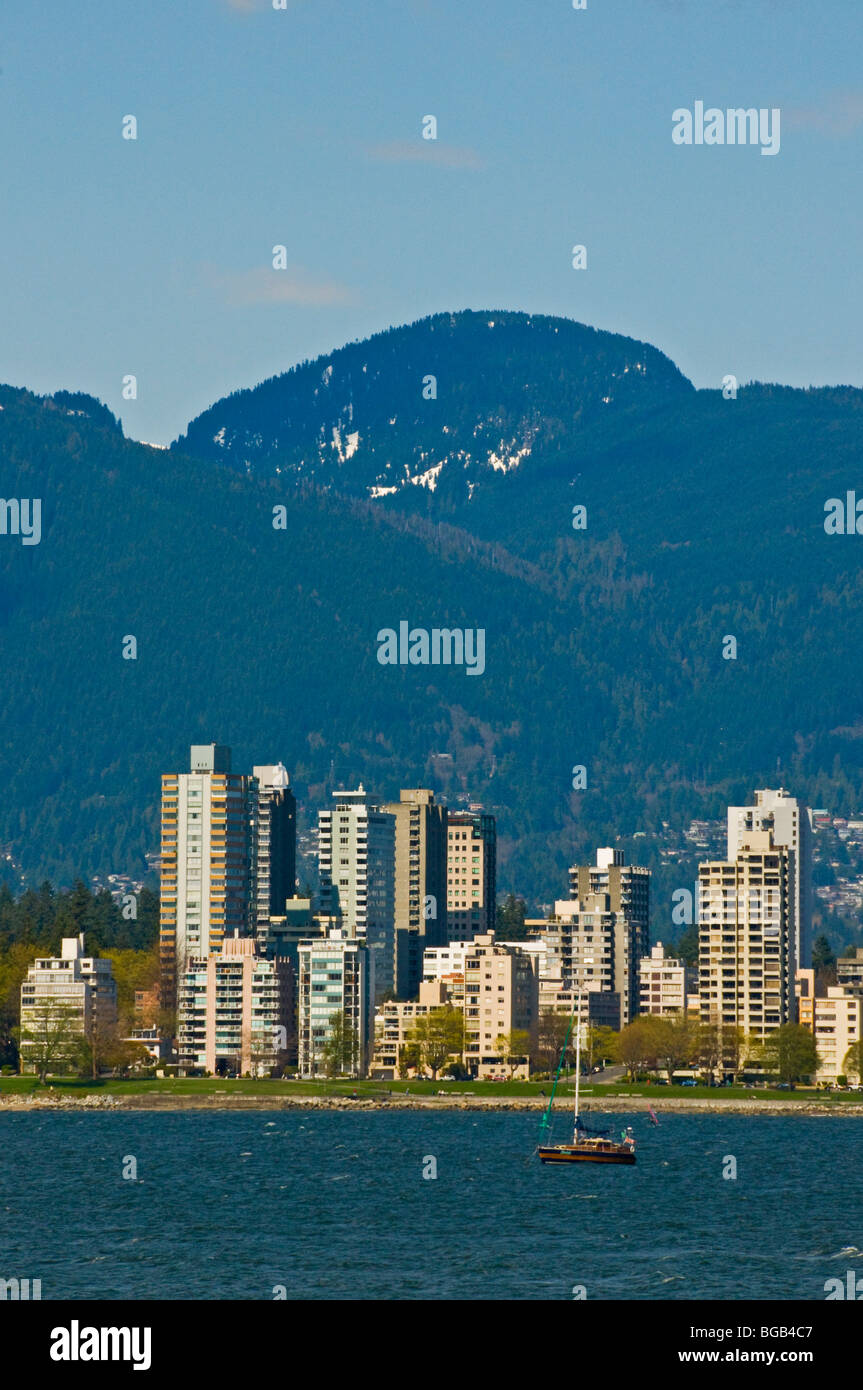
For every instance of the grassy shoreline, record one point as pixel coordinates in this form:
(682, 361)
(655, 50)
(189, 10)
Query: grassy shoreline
(189, 1093)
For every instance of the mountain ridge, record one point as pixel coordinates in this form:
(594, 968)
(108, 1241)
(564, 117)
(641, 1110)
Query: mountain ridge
(704, 517)
(362, 420)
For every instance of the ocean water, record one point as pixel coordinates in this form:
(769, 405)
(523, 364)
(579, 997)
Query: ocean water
(334, 1205)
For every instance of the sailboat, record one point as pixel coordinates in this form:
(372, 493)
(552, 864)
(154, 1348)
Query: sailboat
(588, 1146)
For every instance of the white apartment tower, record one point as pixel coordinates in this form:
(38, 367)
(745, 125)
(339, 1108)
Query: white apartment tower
(745, 948)
(228, 856)
(206, 871)
(791, 823)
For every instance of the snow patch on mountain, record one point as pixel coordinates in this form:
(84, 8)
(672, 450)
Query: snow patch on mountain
(428, 478)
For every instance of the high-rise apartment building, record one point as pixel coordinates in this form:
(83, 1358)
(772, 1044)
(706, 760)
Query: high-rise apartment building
(206, 871)
(745, 949)
(237, 1011)
(274, 842)
(471, 874)
(791, 824)
(589, 944)
(335, 1006)
(65, 999)
(627, 886)
(626, 890)
(420, 882)
(228, 856)
(356, 856)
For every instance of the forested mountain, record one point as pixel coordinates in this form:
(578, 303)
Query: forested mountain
(604, 645)
(440, 407)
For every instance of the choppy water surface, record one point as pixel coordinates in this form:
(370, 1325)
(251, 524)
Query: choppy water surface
(334, 1205)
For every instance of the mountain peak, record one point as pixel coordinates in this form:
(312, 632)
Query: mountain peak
(444, 404)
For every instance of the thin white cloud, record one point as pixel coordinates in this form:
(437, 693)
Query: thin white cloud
(840, 114)
(252, 6)
(263, 285)
(426, 152)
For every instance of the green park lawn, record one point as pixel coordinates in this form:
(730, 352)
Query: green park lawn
(214, 1086)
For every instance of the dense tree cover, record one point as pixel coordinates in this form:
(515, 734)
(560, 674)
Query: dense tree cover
(502, 381)
(669, 1043)
(510, 919)
(604, 646)
(35, 923)
(41, 918)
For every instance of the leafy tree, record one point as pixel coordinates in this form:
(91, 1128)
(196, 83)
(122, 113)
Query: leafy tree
(601, 1043)
(638, 1046)
(551, 1031)
(790, 1051)
(410, 1059)
(853, 1059)
(686, 949)
(824, 962)
(133, 970)
(675, 1040)
(440, 1034)
(513, 1047)
(340, 1052)
(708, 1048)
(51, 1036)
(105, 1049)
(15, 961)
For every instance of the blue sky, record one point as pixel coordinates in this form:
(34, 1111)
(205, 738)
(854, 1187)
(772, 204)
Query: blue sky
(303, 128)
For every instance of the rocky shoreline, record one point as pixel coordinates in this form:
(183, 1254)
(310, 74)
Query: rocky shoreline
(607, 1105)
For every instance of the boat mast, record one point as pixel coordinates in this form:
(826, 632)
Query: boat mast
(588, 960)
(577, 1057)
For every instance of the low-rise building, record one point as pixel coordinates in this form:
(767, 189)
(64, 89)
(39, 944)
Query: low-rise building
(66, 1000)
(664, 983)
(395, 1022)
(147, 1038)
(837, 1027)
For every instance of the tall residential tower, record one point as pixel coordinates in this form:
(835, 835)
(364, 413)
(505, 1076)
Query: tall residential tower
(356, 854)
(471, 874)
(228, 856)
(420, 883)
(791, 823)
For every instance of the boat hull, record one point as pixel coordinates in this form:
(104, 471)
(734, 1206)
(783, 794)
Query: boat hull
(573, 1153)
